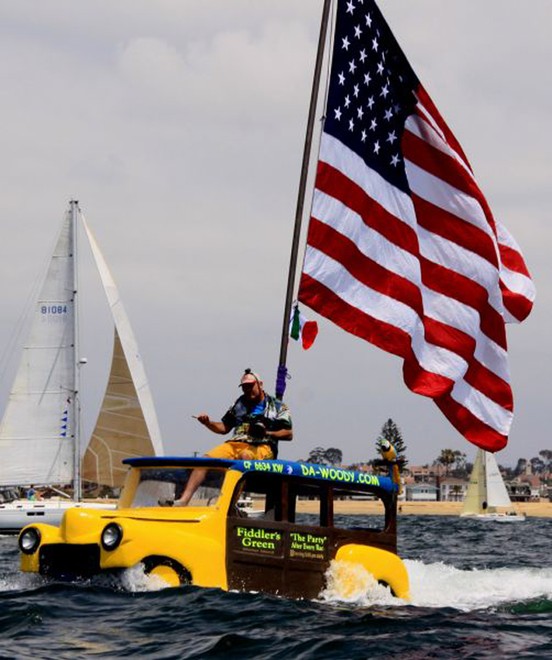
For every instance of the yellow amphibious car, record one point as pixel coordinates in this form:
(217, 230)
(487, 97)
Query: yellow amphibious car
(266, 544)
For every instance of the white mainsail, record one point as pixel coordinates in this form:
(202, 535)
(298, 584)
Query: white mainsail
(37, 430)
(38, 433)
(477, 488)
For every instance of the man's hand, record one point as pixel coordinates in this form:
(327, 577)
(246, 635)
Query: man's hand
(215, 427)
(203, 418)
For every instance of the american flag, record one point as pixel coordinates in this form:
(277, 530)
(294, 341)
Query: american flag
(402, 248)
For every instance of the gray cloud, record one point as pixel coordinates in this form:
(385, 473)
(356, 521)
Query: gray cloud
(180, 124)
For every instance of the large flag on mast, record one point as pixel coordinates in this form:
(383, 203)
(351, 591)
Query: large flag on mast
(402, 248)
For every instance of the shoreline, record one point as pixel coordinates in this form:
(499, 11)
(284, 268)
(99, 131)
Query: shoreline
(542, 509)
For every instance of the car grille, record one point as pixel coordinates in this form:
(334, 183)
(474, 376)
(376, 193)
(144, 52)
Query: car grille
(69, 562)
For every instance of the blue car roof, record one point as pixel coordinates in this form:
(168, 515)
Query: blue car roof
(336, 475)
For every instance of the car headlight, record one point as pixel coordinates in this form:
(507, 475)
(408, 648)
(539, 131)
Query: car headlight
(29, 540)
(112, 536)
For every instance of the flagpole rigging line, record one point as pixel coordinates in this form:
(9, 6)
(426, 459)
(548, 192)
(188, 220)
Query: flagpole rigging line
(281, 377)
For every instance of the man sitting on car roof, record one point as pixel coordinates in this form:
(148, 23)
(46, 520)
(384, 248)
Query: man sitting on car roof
(259, 421)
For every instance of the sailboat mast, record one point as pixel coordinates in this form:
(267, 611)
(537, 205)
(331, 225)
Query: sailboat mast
(282, 370)
(77, 486)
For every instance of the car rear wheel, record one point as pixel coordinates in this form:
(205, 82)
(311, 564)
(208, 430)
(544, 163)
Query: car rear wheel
(167, 569)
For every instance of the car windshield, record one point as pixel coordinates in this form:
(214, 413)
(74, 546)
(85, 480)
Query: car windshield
(162, 486)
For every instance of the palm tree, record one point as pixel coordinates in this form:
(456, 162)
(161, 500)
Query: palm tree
(459, 461)
(456, 492)
(447, 457)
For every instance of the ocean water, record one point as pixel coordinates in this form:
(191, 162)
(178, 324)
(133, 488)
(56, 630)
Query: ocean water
(479, 590)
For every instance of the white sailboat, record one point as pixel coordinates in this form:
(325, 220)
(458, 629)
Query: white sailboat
(487, 497)
(40, 440)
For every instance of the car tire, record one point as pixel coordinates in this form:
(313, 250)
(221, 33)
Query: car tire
(169, 570)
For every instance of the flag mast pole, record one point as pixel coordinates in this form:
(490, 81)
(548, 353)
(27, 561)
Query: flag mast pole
(282, 369)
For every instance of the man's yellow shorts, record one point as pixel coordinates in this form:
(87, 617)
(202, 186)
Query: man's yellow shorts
(241, 451)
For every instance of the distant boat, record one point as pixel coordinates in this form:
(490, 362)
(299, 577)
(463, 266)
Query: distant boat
(40, 440)
(247, 509)
(487, 497)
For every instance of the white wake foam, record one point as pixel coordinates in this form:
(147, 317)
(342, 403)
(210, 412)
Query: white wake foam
(440, 585)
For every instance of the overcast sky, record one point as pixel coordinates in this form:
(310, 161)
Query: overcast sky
(179, 125)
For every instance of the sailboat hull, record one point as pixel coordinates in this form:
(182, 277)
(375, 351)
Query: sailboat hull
(19, 513)
(499, 517)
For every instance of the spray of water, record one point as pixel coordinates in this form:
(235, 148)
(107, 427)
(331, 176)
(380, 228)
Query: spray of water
(439, 585)
(352, 583)
(136, 580)
(21, 582)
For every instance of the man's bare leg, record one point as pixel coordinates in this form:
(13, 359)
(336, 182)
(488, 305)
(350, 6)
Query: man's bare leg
(194, 482)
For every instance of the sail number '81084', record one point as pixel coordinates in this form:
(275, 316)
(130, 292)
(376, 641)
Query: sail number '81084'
(53, 309)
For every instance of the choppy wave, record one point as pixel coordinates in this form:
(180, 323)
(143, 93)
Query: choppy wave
(476, 591)
(436, 585)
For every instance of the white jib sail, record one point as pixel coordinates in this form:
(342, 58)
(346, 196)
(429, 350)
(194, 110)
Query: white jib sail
(497, 495)
(36, 432)
(134, 364)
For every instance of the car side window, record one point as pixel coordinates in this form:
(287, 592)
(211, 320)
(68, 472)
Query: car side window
(258, 496)
(273, 498)
(308, 504)
(371, 511)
